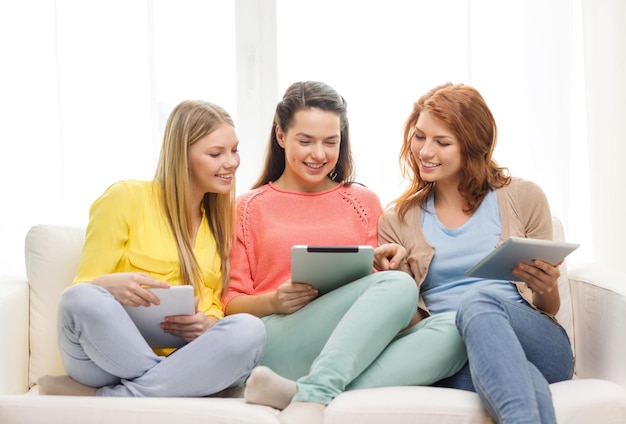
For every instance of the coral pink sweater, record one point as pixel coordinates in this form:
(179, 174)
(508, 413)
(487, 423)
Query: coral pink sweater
(270, 221)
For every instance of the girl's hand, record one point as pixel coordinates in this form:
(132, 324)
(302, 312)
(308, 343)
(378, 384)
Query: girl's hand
(390, 256)
(129, 288)
(290, 297)
(542, 279)
(188, 327)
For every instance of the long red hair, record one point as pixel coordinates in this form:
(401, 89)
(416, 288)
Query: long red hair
(462, 110)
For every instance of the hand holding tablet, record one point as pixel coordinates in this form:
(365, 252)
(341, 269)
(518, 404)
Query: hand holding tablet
(499, 263)
(176, 300)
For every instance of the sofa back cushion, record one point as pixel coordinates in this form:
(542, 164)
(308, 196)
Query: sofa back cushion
(52, 256)
(564, 316)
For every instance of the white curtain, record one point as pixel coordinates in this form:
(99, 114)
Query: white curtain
(85, 87)
(605, 81)
(523, 56)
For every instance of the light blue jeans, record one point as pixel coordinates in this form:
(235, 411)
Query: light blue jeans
(101, 347)
(348, 339)
(514, 352)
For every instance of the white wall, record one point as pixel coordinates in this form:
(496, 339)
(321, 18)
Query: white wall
(85, 87)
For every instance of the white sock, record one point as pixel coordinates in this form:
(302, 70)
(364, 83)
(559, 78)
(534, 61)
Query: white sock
(265, 387)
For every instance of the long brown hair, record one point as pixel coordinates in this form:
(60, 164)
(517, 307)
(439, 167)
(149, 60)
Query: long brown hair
(462, 110)
(189, 122)
(302, 96)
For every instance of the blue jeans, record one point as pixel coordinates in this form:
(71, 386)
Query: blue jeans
(101, 347)
(348, 339)
(514, 353)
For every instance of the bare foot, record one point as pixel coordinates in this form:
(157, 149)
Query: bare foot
(265, 387)
(63, 385)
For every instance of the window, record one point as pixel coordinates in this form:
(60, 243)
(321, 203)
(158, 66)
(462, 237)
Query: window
(90, 84)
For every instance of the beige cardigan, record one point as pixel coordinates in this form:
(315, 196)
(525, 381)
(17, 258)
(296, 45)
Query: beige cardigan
(524, 211)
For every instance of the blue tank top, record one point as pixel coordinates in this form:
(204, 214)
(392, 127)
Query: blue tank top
(458, 249)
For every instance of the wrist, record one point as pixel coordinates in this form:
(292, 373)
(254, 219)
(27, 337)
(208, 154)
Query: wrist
(273, 303)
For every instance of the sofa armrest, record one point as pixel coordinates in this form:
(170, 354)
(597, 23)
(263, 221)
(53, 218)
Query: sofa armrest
(14, 298)
(599, 309)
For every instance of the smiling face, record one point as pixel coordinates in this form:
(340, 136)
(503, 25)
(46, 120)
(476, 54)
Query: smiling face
(311, 147)
(213, 161)
(437, 151)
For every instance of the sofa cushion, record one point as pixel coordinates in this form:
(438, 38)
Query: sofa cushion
(25, 409)
(52, 256)
(575, 402)
(564, 316)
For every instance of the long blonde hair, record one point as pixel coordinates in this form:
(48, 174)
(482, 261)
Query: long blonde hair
(190, 121)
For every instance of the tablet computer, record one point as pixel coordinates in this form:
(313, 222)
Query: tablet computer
(177, 300)
(329, 267)
(500, 262)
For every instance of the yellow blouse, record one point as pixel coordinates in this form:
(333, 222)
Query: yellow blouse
(128, 232)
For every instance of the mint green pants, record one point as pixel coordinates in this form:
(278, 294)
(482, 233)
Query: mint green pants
(348, 339)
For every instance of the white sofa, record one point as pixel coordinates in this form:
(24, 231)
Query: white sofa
(594, 312)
